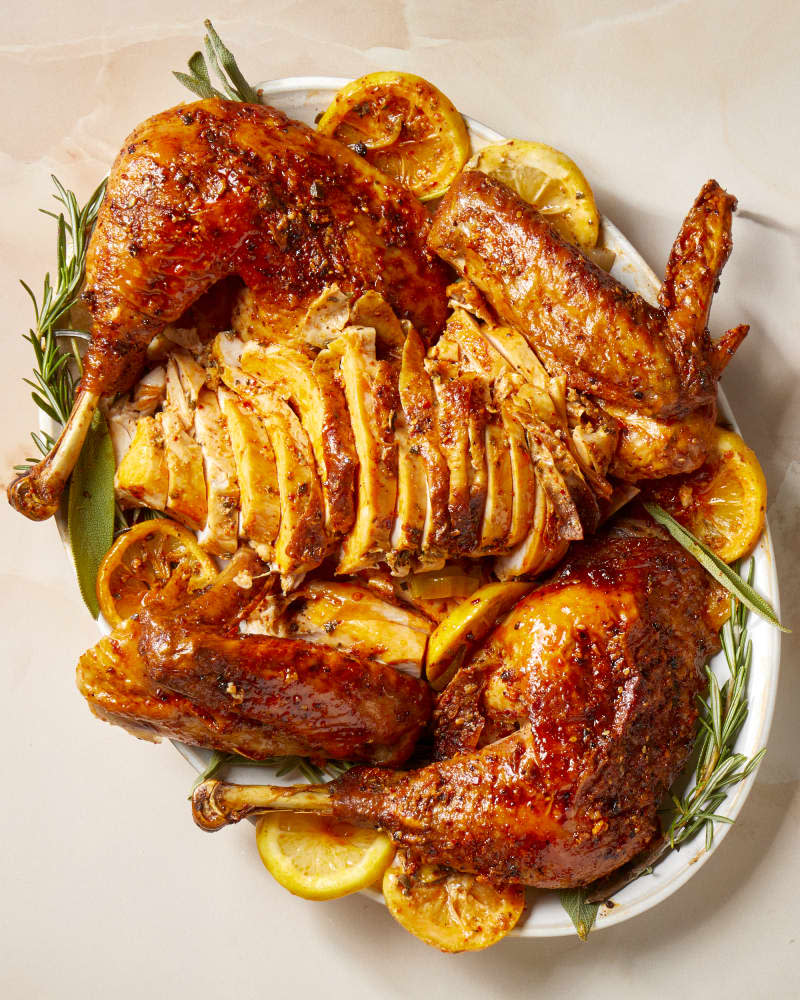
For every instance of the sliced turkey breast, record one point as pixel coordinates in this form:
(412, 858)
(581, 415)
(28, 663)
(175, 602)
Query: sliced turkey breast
(256, 472)
(221, 532)
(420, 412)
(370, 388)
(142, 478)
(319, 402)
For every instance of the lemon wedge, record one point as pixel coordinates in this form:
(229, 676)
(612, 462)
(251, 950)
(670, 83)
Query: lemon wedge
(548, 180)
(142, 559)
(316, 857)
(469, 622)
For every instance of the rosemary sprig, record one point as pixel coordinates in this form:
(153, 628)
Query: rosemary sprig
(722, 716)
(224, 66)
(53, 382)
(313, 774)
(722, 573)
(125, 519)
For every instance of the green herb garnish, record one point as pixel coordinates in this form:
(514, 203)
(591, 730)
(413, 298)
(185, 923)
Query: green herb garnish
(53, 382)
(313, 774)
(90, 501)
(722, 573)
(721, 719)
(580, 911)
(224, 66)
(90, 509)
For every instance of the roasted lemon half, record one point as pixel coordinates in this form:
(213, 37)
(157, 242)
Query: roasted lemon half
(450, 910)
(723, 502)
(468, 623)
(316, 857)
(550, 181)
(402, 125)
(143, 559)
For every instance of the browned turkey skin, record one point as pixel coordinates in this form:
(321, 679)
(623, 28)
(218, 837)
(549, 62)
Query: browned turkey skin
(562, 735)
(586, 696)
(654, 369)
(185, 673)
(216, 188)
(607, 340)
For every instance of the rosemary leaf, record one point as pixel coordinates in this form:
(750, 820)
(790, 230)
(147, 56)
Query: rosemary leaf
(282, 766)
(721, 572)
(215, 763)
(723, 714)
(53, 382)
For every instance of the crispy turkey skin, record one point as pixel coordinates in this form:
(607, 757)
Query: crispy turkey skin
(215, 188)
(608, 340)
(558, 741)
(182, 670)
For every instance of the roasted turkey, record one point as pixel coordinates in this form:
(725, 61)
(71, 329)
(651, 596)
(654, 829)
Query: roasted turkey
(388, 395)
(559, 738)
(215, 188)
(184, 670)
(654, 369)
(344, 438)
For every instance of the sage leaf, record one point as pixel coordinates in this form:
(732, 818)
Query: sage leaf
(90, 510)
(579, 910)
(711, 562)
(198, 86)
(219, 61)
(241, 89)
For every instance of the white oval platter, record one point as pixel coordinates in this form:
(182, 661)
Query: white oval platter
(304, 98)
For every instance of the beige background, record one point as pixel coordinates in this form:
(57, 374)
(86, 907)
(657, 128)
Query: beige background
(107, 887)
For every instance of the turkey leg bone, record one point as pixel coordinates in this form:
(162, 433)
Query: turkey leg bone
(218, 803)
(216, 188)
(37, 493)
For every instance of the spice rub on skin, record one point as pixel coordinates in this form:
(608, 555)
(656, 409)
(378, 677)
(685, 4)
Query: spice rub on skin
(607, 340)
(557, 742)
(215, 188)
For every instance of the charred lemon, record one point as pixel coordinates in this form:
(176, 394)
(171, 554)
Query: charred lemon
(402, 125)
(723, 502)
(143, 559)
(548, 180)
(450, 910)
(316, 857)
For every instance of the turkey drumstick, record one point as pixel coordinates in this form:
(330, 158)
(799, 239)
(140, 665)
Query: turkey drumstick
(215, 188)
(559, 738)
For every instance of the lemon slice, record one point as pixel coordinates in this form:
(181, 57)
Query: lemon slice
(403, 126)
(316, 857)
(724, 502)
(468, 623)
(548, 180)
(143, 559)
(449, 910)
